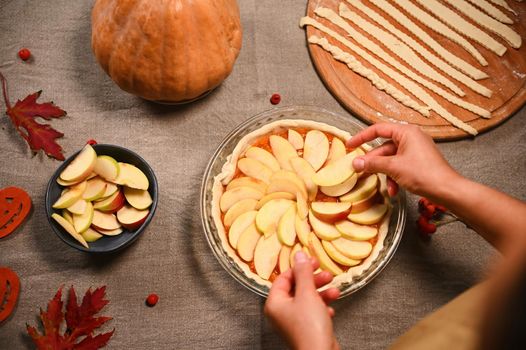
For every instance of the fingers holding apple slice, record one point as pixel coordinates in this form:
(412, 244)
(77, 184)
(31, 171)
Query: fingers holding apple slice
(340, 189)
(266, 255)
(336, 172)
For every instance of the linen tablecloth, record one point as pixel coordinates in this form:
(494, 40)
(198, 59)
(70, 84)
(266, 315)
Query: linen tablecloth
(200, 305)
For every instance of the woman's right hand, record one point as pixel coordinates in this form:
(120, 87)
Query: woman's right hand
(410, 158)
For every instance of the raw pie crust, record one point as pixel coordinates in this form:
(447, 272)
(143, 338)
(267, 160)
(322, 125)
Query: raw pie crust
(228, 173)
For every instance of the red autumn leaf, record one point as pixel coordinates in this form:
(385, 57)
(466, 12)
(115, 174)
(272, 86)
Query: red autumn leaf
(80, 322)
(23, 114)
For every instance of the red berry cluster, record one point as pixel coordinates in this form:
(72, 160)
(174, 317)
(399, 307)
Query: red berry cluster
(430, 215)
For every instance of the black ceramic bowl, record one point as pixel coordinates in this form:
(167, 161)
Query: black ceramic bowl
(105, 244)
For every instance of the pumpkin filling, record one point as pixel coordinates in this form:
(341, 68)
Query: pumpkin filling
(294, 188)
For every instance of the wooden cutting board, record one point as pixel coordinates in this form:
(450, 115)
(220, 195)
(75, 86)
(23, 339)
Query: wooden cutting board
(507, 79)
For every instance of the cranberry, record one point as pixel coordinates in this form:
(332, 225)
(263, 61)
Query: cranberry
(275, 99)
(152, 299)
(24, 54)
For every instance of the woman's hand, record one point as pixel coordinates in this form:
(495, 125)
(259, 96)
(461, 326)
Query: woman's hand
(410, 158)
(298, 310)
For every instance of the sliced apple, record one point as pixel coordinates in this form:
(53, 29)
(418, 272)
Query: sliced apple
(69, 229)
(316, 148)
(266, 255)
(107, 168)
(81, 222)
(131, 176)
(104, 221)
(110, 189)
(303, 229)
(237, 209)
(111, 204)
(356, 232)
(287, 181)
(336, 151)
(353, 249)
(362, 189)
(68, 183)
(132, 218)
(336, 172)
(305, 171)
(335, 255)
(239, 225)
(286, 228)
(366, 203)
(115, 232)
(371, 216)
(255, 169)
(302, 205)
(246, 244)
(340, 189)
(295, 139)
(67, 215)
(139, 199)
(322, 229)
(68, 198)
(274, 195)
(246, 181)
(95, 189)
(268, 216)
(284, 259)
(331, 211)
(282, 150)
(263, 156)
(81, 166)
(295, 249)
(231, 197)
(326, 262)
(79, 207)
(90, 235)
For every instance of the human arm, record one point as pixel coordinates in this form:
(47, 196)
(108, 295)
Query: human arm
(299, 312)
(412, 160)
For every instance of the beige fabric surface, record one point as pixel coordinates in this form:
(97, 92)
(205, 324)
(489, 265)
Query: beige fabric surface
(200, 305)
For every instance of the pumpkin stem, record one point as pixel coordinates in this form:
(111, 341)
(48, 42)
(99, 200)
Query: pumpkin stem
(4, 90)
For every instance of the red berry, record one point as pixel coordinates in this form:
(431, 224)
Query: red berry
(425, 226)
(275, 99)
(24, 54)
(441, 208)
(91, 142)
(152, 299)
(429, 211)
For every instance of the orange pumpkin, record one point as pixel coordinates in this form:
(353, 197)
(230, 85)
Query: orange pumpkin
(168, 51)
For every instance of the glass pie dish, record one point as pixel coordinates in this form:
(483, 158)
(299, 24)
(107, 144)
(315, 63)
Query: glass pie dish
(220, 157)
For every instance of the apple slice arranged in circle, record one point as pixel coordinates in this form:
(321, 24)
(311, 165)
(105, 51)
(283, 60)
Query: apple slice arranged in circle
(362, 189)
(286, 228)
(340, 189)
(316, 149)
(326, 262)
(231, 197)
(238, 209)
(322, 229)
(254, 168)
(331, 211)
(239, 225)
(353, 249)
(246, 244)
(246, 181)
(356, 232)
(283, 151)
(335, 255)
(371, 216)
(263, 156)
(295, 139)
(268, 216)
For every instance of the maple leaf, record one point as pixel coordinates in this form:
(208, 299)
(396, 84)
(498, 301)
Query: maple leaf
(23, 114)
(80, 322)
